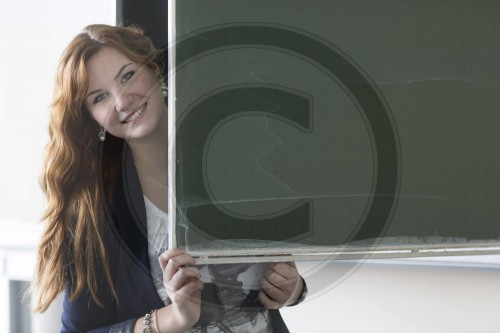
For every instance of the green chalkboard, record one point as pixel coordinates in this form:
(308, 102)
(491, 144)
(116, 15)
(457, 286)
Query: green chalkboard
(335, 126)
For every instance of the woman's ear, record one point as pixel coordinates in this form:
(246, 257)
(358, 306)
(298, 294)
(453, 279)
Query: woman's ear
(154, 66)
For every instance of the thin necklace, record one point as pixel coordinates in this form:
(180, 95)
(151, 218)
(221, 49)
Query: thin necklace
(151, 178)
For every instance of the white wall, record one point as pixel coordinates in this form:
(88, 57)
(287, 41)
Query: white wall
(401, 297)
(33, 34)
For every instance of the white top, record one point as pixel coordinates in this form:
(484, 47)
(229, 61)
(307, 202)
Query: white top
(157, 221)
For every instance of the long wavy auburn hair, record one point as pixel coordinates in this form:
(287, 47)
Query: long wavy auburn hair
(80, 172)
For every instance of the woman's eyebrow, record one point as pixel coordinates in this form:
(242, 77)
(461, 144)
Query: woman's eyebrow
(92, 92)
(121, 70)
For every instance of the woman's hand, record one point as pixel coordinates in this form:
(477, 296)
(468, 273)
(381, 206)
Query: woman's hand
(182, 281)
(280, 286)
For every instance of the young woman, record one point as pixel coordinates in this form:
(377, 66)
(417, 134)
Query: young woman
(104, 243)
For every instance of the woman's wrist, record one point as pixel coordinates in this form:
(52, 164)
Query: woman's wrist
(161, 320)
(168, 322)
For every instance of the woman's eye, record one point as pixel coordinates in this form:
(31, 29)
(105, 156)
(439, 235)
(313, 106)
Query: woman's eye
(127, 76)
(100, 97)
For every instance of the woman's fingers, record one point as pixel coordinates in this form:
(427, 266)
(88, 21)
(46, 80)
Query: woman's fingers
(190, 291)
(166, 256)
(277, 293)
(179, 271)
(282, 275)
(284, 270)
(268, 302)
(171, 260)
(175, 263)
(182, 277)
(280, 284)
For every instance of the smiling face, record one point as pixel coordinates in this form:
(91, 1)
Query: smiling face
(125, 97)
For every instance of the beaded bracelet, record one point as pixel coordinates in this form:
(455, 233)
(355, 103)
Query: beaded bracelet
(146, 322)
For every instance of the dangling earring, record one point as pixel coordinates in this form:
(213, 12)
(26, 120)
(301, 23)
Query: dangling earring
(102, 133)
(164, 87)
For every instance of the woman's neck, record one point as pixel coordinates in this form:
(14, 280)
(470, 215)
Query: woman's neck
(150, 158)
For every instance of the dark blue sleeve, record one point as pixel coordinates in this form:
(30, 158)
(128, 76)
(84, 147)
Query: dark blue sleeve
(84, 315)
(136, 293)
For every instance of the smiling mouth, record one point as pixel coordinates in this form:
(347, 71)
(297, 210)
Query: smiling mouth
(134, 114)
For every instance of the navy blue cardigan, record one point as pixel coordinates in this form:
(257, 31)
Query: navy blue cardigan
(127, 248)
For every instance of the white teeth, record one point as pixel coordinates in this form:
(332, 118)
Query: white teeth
(134, 115)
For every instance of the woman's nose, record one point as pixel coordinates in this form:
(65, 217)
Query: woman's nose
(123, 101)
